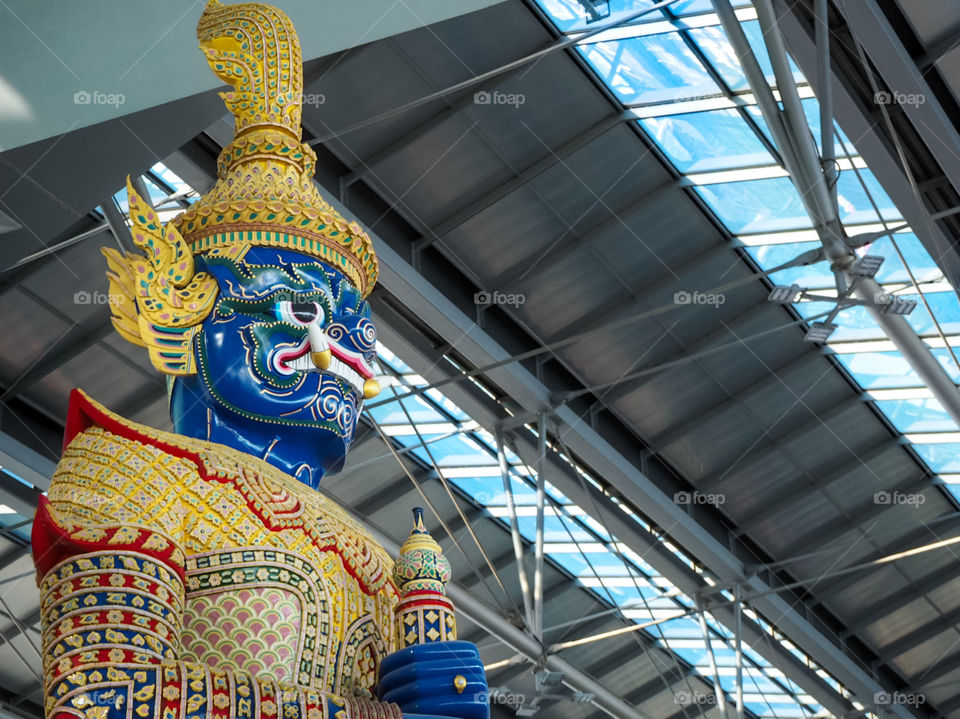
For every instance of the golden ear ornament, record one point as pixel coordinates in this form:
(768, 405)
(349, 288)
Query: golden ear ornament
(157, 300)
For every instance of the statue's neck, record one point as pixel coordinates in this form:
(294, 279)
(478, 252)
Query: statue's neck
(299, 452)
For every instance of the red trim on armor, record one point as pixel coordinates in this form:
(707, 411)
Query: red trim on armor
(406, 603)
(52, 544)
(83, 414)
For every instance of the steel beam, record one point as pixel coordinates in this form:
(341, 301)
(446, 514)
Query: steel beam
(80, 341)
(553, 158)
(754, 386)
(936, 52)
(818, 482)
(620, 306)
(422, 356)
(915, 637)
(574, 239)
(918, 537)
(914, 350)
(823, 535)
(517, 540)
(887, 606)
(882, 45)
(821, 11)
(538, 545)
(117, 224)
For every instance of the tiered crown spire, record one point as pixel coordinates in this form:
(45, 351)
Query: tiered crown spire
(424, 614)
(265, 194)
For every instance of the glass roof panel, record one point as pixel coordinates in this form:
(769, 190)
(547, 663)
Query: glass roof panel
(945, 306)
(756, 205)
(892, 270)
(570, 15)
(715, 45)
(882, 370)
(917, 415)
(853, 202)
(853, 323)
(941, 458)
(808, 276)
(418, 409)
(689, 7)
(811, 110)
(704, 141)
(652, 69)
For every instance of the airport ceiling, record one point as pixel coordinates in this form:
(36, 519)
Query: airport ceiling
(610, 211)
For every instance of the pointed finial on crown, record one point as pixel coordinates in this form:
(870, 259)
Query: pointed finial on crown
(421, 565)
(424, 614)
(265, 193)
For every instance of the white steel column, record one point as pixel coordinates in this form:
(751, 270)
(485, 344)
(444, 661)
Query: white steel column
(808, 177)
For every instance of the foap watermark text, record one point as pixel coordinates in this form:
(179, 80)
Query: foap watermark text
(483, 97)
(698, 298)
(886, 699)
(485, 299)
(501, 697)
(899, 98)
(715, 499)
(96, 97)
(914, 499)
(96, 298)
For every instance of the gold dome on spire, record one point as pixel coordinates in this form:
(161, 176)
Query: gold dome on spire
(265, 194)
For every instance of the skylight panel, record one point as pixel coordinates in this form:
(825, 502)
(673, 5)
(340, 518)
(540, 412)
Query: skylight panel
(854, 204)
(706, 141)
(570, 15)
(940, 457)
(757, 205)
(892, 270)
(685, 7)
(657, 68)
(917, 415)
(171, 179)
(881, 370)
(807, 276)
(455, 451)
(946, 308)
(417, 408)
(716, 46)
(857, 324)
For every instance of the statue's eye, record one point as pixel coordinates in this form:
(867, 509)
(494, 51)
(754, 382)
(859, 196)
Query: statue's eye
(298, 313)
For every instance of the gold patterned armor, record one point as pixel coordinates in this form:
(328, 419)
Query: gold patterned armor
(181, 577)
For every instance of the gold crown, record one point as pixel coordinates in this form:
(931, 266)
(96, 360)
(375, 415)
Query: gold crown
(265, 194)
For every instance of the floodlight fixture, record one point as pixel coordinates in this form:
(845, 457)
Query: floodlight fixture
(866, 266)
(820, 332)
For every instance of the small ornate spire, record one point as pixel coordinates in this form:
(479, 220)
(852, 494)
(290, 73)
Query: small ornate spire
(424, 614)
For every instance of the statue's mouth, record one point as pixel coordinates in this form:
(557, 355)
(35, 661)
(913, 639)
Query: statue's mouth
(290, 359)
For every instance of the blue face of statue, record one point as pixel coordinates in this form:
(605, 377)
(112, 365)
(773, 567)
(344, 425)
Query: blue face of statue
(280, 316)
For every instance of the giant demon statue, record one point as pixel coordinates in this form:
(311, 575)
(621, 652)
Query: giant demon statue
(200, 574)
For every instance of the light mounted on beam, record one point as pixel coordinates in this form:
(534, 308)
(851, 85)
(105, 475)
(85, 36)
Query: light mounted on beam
(819, 332)
(866, 266)
(783, 295)
(899, 306)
